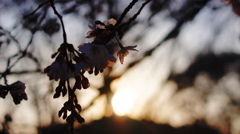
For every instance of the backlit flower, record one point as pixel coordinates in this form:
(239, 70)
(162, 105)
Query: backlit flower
(80, 66)
(93, 32)
(108, 23)
(124, 52)
(59, 70)
(97, 55)
(100, 27)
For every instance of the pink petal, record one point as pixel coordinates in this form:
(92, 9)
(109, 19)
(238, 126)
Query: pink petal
(91, 27)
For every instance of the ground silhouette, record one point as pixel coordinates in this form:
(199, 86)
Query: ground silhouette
(125, 125)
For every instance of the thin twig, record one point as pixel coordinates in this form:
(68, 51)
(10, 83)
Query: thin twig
(135, 15)
(173, 33)
(60, 18)
(127, 9)
(11, 37)
(23, 72)
(139, 11)
(41, 5)
(22, 54)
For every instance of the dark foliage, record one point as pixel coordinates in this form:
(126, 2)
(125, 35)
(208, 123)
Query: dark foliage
(17, 91)
(216, 66)
(124, 125)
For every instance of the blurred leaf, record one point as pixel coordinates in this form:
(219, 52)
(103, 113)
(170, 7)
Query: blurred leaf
(51, 27)
(17, 90)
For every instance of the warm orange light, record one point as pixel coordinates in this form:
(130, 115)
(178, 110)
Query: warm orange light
(122, 102)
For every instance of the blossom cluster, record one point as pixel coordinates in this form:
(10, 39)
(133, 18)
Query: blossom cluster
(69, 64)
(92, 57)
(103, 32)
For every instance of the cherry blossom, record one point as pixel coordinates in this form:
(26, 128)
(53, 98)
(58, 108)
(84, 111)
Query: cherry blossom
(124, 52)
(93, 32)
(97, 55)
(100, 27)
(108, 23)
(58, 70)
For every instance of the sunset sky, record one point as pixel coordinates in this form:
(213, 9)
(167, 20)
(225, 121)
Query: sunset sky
(142, 92)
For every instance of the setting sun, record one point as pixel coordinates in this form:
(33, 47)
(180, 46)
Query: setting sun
(122, 102)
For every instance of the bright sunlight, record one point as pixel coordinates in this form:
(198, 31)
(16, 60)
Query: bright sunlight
(122, 102)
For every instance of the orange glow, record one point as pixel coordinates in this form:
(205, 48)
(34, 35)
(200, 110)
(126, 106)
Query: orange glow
(122, 102)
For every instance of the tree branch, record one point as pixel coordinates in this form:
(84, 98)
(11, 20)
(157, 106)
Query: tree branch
(60, 18)
(126, 11)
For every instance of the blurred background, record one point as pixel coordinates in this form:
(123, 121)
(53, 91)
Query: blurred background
(184, 79)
